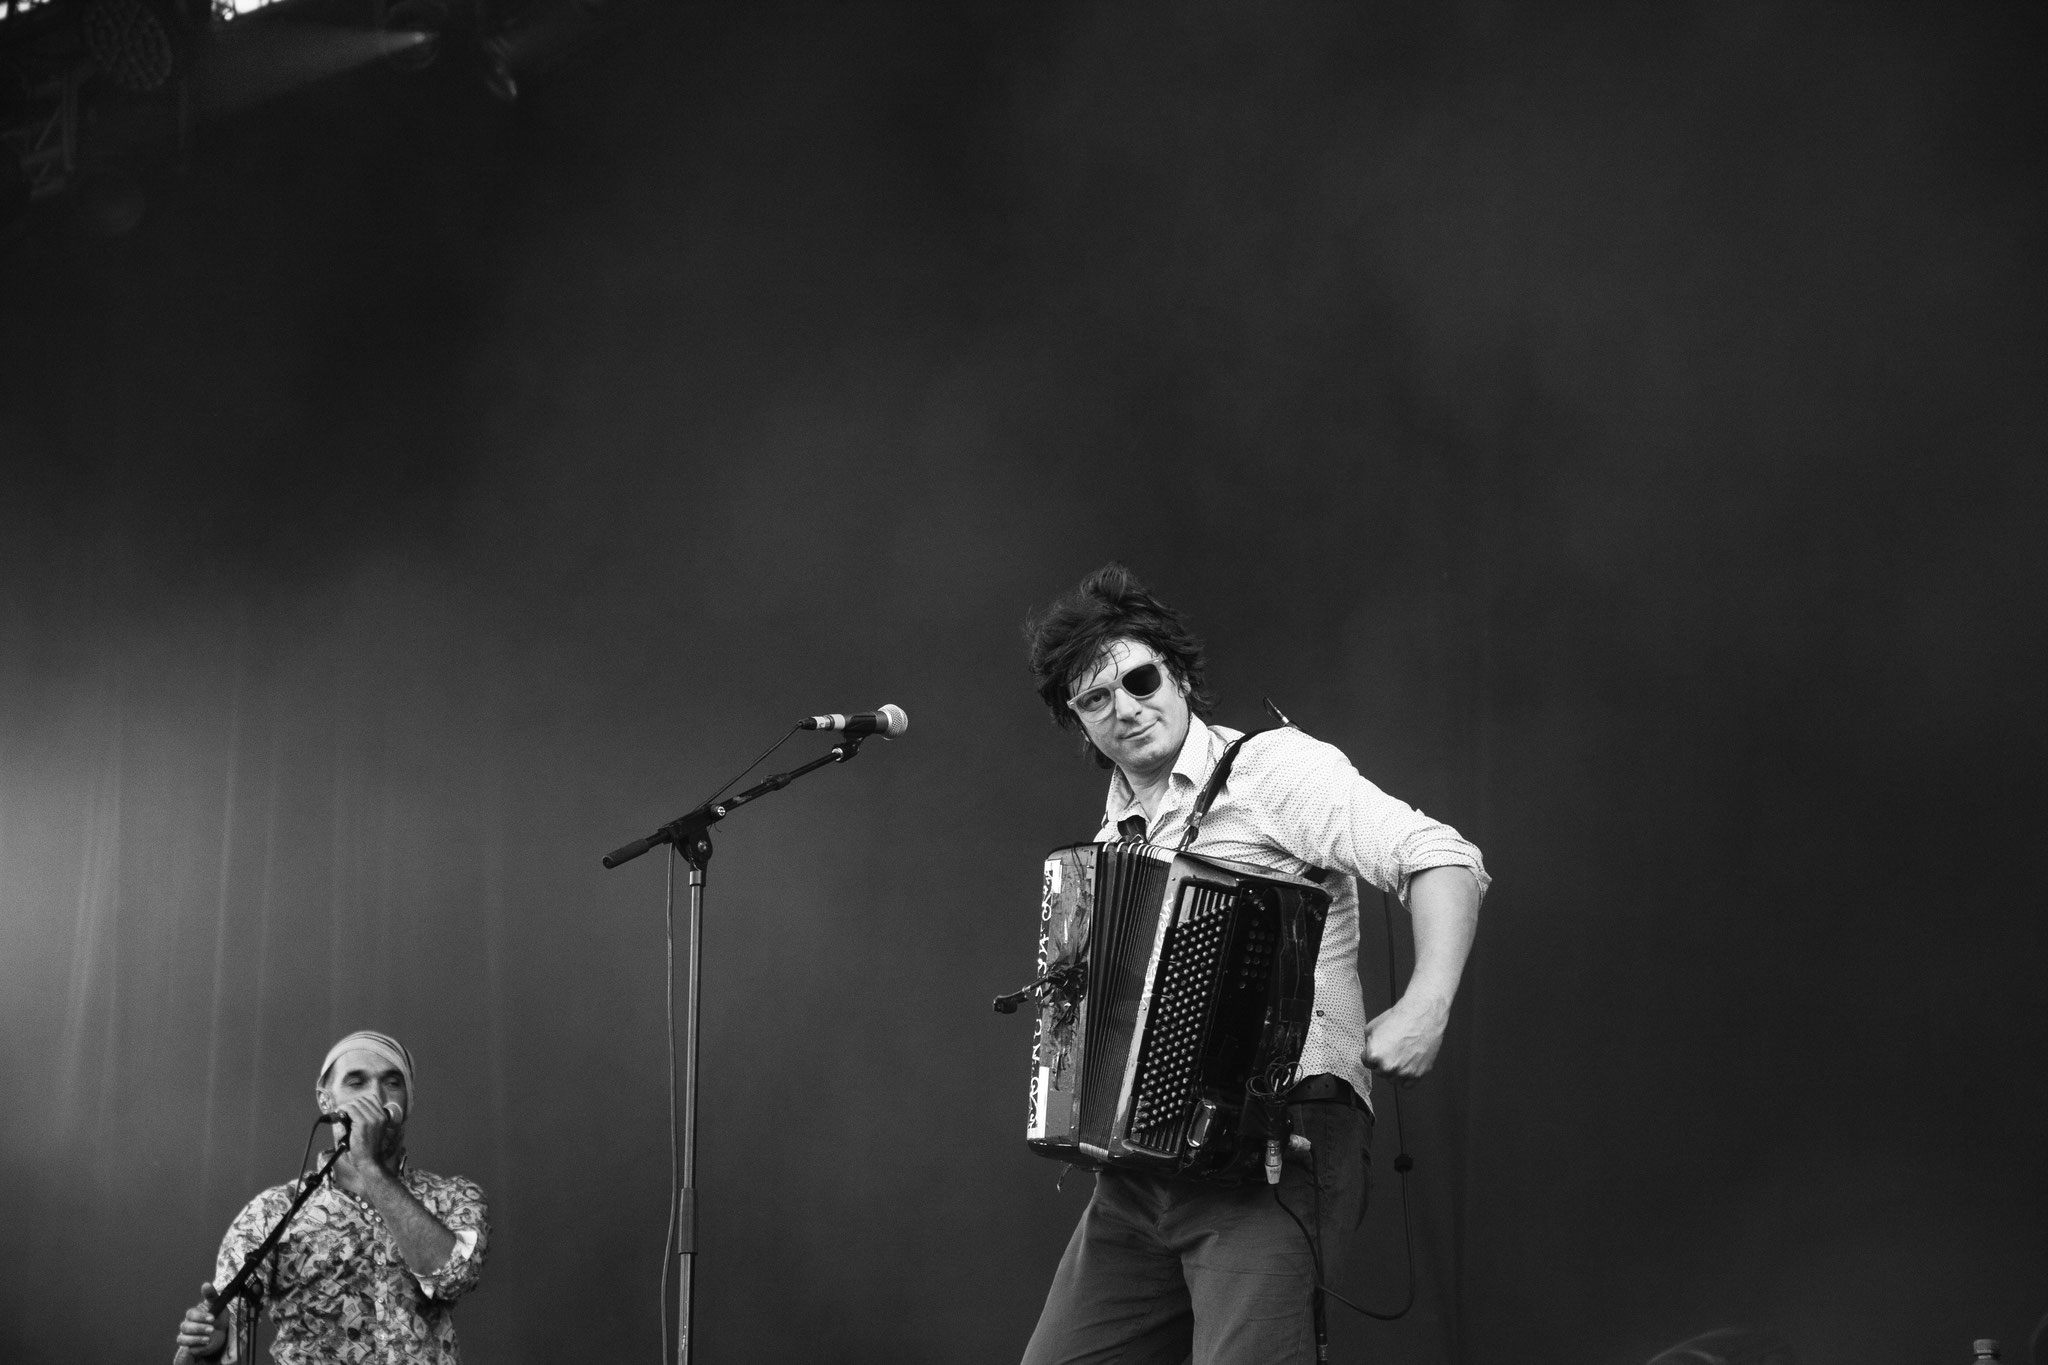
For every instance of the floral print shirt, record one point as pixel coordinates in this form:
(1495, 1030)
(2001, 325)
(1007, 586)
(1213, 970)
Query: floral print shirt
(337, 1287)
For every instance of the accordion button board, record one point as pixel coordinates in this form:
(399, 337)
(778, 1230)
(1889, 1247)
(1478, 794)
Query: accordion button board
(1174, 994)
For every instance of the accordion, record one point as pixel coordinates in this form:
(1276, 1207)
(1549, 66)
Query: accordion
(1174, 995)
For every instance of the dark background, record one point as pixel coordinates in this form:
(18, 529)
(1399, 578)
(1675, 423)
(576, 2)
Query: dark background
(1620, 428)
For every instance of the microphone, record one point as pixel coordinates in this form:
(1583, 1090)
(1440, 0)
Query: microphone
(392, 1114)
(888, 722)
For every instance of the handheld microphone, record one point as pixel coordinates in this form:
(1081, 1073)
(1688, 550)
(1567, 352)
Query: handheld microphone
(392, 1114)
(888, 722)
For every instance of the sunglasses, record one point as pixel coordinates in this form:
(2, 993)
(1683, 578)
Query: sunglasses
(1141, 682)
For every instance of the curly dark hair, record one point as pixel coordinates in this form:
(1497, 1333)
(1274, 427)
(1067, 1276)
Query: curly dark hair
(1069, 636)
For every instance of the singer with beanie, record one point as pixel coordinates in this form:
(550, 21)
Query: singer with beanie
(369, 1271)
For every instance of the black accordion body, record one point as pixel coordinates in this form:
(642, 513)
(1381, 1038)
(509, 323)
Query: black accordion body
(1174, 996)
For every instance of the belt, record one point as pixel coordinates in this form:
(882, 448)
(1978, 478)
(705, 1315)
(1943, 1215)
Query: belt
(1325, 1089)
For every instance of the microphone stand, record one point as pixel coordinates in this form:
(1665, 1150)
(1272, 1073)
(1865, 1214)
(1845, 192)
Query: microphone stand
(689, 834)
(238, 1286)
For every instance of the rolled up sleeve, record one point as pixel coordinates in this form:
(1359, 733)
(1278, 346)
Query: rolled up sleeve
(459, 1204)
(1328, 814)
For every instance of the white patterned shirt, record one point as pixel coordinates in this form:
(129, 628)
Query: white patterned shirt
(1294, 804)
(337, 1287)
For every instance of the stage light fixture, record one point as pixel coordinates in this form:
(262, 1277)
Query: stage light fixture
(427, 20)
(499, 78)
(542, 36)
(133, 42)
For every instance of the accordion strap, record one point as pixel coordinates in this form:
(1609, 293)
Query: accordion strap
(1221, 775)
(1214, 787)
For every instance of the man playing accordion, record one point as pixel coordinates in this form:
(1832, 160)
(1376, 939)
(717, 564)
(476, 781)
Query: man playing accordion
(1165, 1269)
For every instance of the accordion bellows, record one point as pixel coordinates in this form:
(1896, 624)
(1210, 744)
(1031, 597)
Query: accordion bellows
(1174, 996)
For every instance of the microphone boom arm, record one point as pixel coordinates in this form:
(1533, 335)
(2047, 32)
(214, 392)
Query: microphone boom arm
(240, 1284)
(685, 830)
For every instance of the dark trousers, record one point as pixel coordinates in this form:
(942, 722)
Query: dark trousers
(1162, 1271)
